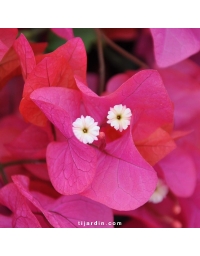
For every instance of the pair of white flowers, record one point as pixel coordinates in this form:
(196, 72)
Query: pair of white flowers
(87, 130)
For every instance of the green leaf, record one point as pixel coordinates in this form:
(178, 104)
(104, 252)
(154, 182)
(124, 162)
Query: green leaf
(54, 41)
(88, 36)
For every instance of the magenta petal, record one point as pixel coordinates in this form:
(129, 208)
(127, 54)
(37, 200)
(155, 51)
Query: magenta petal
(26, 55)
(22, 215)
(172, 45)
(95, 106)
(60, 105)
(182, 83)
(71, 166)
(116, 81)
(124, 180)
(147, 97)
(66, 33)
(81, 212)
(5, 221)
(179, 172)
(67, 211)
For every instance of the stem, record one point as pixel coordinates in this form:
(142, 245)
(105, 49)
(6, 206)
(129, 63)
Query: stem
(32, 33)
(24, 161)
(53, 131)
(123, 52)
(3, 175)
(101, 61)
(17, 162)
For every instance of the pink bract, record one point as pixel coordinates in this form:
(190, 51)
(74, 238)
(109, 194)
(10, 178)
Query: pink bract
(172, 45)
(109, 181)
(66, 211)
(144, 93)
(22, 216)
(66, 33)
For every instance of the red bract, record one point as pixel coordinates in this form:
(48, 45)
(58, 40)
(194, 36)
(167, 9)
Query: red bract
(8, 132)
(35, 150)
(22, 141)
(57, 69)
(10, 64)
(7, 37)
(172, 45)
(9, 67)
(37, 138)
(26, 55)
(9, 102)
(156, 146)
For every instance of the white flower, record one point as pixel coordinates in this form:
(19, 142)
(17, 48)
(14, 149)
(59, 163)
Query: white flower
(85, 129)
(119, 117)
(160, 192)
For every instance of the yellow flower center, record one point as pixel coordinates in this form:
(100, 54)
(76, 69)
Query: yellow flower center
(85, 130)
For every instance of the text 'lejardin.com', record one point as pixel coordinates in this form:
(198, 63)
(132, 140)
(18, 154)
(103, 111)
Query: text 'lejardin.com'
(98, 223)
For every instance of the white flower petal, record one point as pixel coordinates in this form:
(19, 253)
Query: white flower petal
(119, 117)
(160, 192)
(118, 108)
(85, 129)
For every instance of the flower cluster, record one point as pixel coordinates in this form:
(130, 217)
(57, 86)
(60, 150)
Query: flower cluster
(86, 130)
(75, 148)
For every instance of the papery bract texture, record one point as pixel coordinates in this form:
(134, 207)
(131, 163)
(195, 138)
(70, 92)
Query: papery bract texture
(26, 55)
(71, 166)
(172, 45)
(123, 180)
(22, 216)
(66, 211)
(180, 172)
(156, 146)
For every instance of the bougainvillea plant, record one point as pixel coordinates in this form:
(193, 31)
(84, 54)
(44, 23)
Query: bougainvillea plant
(99, 128)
